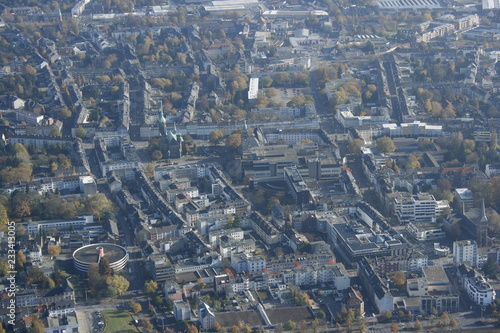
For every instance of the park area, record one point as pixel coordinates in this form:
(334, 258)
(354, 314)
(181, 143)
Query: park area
(118, 322)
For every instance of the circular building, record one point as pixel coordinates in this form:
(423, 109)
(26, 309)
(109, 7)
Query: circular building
(92, 254)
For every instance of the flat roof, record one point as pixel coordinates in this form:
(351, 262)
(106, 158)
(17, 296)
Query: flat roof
(434, 273)
(253, 88)
(88, 253)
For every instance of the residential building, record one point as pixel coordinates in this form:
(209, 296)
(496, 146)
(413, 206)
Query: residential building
(465, 252)
(182, 310)
(206, 317)
(480, 291)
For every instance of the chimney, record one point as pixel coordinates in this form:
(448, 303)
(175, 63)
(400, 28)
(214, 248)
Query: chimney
(100, 251)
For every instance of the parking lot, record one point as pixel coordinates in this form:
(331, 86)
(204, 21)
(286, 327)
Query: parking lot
(97, 322)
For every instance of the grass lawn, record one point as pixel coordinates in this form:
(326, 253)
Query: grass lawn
(118, 322)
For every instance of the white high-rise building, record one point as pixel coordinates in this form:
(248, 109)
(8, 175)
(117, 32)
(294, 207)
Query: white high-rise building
(465, 252)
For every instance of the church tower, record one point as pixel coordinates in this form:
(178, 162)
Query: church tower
(482, 228)
(162, 125)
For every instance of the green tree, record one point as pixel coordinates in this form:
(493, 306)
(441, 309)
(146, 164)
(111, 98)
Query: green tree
(289, 326)
(81, 132)
(267, 82)
(490, 268)
(150, 287)
(321, 315)
(64, 114)
(385, 144)
(97, 205)
(118, 283)
(54, 131)
(4, 218)
(354, 146)
(48, 283)
(4, 268)
(216, 136)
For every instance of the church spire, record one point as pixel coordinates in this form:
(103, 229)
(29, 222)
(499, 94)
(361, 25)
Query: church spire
(162, 124)
(484, 219)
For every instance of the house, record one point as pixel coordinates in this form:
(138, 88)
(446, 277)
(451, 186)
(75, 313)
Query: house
(206, 317)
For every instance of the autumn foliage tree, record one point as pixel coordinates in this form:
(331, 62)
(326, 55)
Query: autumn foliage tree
(399, 278)
(135, 307)
(54, 250)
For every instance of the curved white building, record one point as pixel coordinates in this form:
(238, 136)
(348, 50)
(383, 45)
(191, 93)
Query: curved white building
(92, 254)
(479, 290)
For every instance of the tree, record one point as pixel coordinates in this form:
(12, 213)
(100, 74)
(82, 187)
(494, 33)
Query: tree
(119, 283)
(146, 324)
(150, 170)
(399, 278)
(418, 325)
(201, 283)
(235, 329)
(54, 250)
(104, 267)
(156, 155)
(354, 146)
(48, 283)
(453, 323)
(490, 268)
(267, 82)
(192, 329)
(394, 327)
(30, 70)
(20, 259)
(386, 316)
(289, 326)
(97, 205)
(37, 326)
(218, 328)
(4, 218)
(54, 131)
(81, 132)
(64, 114)
(2, 329)
(216, 136)
(385, 144)
(271, 92)
(234, 140)
(150, 287)
(4, 268)
(135, 307)
(412, 163)
(321, 315)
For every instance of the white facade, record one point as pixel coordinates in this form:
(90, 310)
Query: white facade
(465, 252)
(182, 311)
(479, 290)
(420, 207)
